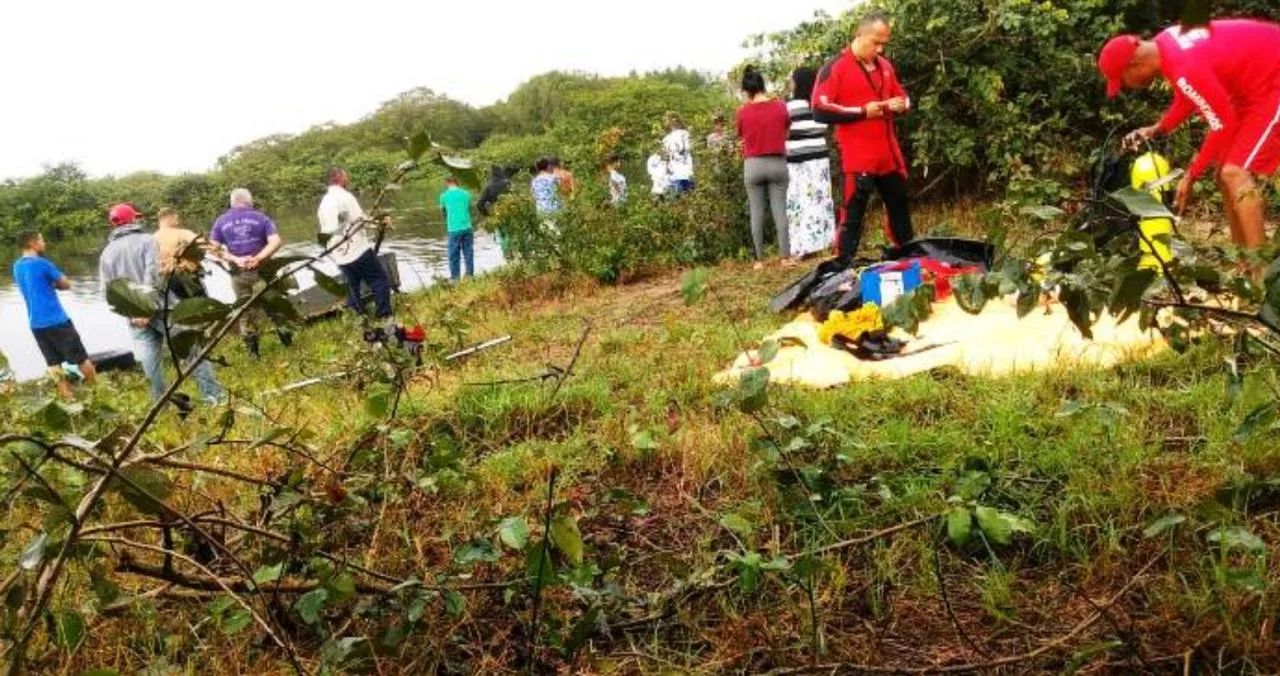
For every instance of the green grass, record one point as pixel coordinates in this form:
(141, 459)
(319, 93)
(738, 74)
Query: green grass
(666, 486)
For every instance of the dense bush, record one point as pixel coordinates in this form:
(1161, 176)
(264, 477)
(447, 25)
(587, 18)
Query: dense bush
(556, 113)
(591, 236)
(1007, 96)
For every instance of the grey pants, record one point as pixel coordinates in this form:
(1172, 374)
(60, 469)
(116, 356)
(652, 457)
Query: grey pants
(767, 179)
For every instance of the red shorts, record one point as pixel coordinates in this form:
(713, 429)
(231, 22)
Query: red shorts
(1257, 144)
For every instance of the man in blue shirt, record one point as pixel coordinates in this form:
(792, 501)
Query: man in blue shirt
(39, 280)
(456, 204)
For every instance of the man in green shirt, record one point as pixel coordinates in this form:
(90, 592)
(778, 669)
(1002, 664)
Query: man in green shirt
(456, 204)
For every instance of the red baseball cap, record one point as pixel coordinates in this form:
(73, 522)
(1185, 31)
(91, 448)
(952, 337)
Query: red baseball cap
(123, 214)
(1115, 58)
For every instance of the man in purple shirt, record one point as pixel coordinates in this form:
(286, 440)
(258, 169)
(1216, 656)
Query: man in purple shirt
(245, 238)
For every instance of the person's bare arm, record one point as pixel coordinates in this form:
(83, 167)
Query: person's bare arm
(274, 242)
(62, 284)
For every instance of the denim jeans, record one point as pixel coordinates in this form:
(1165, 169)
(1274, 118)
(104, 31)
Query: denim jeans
(367, 270)
(149, 347)
(462, 245)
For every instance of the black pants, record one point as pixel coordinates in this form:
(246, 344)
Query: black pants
(367, 269)
(857, 195)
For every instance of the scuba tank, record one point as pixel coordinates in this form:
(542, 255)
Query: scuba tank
(1150, 173)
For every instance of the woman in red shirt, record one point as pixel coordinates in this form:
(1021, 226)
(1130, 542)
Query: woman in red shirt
(763, 126)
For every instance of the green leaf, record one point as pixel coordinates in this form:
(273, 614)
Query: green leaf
(279, 307)
(454, 604)
(584, 628)
(959, 526)
(808, 568)
(341, 587)
(694, 285)
(418, 145)
(1260, 418)
(972, 484)
(331, 285)
(1028, 299)
(737, 524)
(1140, 204)
(1163, 525)
(970, 293)
(53, 416)
(994, 525)
(1078, 310)
(417, 608)
(1246, 579)
(462, 169)
(267, 574)
(565, 536)
(199, 311)
(221, 605)
(768, 351)
(236, 621)
(269, 269)
(103, 587)
(71, 629)
(478, 550)
(753, 390)
(310, 604)
(1126, 297)
(1042, 212)
(131, 300)
(101, 672)
(33, 554)
(514, 532)
(158, 488)
(538, 560)
(748, 569)
(377, 401)
(642, 440)
(1238, 538)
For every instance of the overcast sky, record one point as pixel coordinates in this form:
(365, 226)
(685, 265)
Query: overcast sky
(127, 85)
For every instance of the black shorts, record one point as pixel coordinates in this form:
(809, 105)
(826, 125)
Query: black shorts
(61, 344)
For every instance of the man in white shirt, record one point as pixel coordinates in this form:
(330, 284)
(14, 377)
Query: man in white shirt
(344, 222)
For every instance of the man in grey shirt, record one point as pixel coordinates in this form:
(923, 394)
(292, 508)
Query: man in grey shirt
(132, 254)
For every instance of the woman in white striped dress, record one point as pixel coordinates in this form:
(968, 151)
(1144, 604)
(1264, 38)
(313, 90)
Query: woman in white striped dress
(811, 209)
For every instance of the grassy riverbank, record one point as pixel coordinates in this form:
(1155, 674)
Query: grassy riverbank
(696, 520)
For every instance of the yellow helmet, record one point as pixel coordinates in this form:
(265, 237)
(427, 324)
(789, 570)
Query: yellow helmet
(1147, 168)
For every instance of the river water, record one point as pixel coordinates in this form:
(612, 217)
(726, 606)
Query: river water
(419, 248)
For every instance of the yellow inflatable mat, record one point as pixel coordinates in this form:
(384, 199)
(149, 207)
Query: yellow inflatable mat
(995, 342)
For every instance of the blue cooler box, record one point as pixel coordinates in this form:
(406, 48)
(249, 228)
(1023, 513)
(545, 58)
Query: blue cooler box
(882, 287)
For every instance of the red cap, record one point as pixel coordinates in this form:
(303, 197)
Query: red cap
(122, 214)
(1115, 58)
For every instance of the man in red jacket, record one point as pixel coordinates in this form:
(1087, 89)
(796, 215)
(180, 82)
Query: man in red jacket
(1229, 72)
(859, 92)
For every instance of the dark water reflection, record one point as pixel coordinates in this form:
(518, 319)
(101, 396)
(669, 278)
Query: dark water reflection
(419, 248)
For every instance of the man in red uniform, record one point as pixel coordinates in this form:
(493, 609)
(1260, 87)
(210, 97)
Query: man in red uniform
(1229, 72)
(859, 92)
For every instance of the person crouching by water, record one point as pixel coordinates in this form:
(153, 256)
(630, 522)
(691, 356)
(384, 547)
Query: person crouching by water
(40, 280)
(763, 123)
(456, 204)
(133, 255)
(247, 238)
(342, 226)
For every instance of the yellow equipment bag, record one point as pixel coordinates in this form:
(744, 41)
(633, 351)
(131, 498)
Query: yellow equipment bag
(1148, 169)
